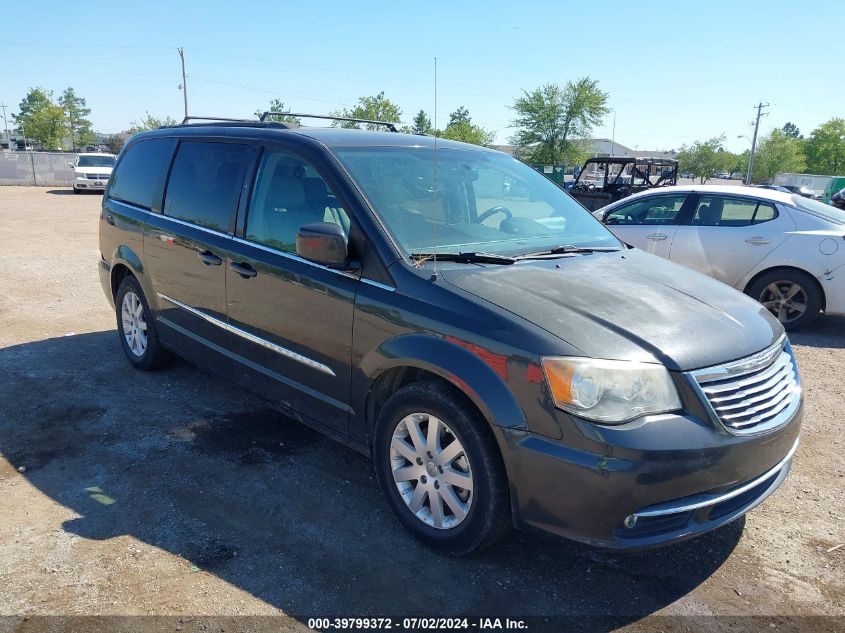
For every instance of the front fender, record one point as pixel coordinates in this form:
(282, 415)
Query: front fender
(465, 369)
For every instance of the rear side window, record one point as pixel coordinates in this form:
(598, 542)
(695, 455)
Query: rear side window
(139, 178)
(722, 211)
(205, 183)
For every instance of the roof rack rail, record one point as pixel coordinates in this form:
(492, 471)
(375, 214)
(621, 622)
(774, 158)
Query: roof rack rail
(390, 126)
(214, 120)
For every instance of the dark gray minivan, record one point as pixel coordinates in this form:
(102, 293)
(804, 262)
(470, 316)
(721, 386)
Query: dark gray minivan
(447, 310)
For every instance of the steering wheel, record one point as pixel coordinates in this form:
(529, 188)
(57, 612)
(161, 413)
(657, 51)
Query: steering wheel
(493, 211)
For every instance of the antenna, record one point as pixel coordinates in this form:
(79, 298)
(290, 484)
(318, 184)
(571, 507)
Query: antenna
(434, 206)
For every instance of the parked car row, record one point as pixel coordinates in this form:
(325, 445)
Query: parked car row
(512, 362)
(783, 249)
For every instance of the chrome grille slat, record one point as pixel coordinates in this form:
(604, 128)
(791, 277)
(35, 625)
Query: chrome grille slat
(749, 379)
(753, 394)
(783, 383)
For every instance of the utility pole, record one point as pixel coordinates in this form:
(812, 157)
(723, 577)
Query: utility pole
(760, 107)
(184, 80)
(6, 124)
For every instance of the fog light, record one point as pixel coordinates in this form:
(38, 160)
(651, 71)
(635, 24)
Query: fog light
(630, 520)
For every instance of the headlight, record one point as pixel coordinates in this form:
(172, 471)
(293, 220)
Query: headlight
(610, 391)
(82, 176)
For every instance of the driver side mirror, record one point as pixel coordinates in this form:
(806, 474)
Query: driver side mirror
(323, 243)
(70, 165)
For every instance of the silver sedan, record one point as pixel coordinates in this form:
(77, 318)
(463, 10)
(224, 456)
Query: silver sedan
(785, 250)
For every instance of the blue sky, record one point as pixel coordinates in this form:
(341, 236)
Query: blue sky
(675, 71)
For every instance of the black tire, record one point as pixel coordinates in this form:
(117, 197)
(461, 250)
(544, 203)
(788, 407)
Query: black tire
(488, 518)
(154, 356)
(762, 290)
(77, 191)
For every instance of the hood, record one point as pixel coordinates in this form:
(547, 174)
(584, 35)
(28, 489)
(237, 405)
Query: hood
(93, 170)
(627, 306)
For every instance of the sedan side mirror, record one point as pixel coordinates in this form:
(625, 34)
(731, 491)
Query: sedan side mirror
(322, 242)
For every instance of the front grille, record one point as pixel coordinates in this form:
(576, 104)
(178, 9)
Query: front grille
(98, 176)
(754, 394)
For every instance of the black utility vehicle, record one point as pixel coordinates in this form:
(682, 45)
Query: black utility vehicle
(611, 178)
(447, 310)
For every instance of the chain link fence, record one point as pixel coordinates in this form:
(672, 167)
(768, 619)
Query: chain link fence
(47, 169)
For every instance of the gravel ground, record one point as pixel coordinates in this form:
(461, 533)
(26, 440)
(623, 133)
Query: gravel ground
(176, 493)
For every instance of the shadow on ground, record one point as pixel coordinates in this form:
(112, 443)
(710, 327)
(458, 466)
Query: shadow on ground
(199, 468)
(827, 331)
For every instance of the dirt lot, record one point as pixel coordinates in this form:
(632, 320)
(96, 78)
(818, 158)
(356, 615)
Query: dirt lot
(176, 493)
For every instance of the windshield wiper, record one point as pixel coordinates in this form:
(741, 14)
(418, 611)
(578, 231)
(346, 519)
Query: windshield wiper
(566, 249)
(465, 258)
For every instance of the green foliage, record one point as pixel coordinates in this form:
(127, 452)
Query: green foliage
(791, 130)
(376, 108)
(41, 120)
(149, 122)
(705, 159)
(825, 149)
(78, 125)
(467, 132)
(115, 143)
(550, 120)
(277, 105)
(422, 124)
(461, 115)
(777, 152)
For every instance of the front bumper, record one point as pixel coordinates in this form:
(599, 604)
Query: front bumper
(89, 185)
(657, 480)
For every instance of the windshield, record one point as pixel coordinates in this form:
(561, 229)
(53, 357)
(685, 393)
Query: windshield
(819, 209)
(95, 161)
(481, 202)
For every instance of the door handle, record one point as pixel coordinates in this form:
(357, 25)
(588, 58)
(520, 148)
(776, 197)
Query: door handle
(757, 241)
(657, 236)
(244, 270)
(209, 259)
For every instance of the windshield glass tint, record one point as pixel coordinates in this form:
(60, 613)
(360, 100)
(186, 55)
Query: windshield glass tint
(820, 209)
(96, 161)
(480, 201)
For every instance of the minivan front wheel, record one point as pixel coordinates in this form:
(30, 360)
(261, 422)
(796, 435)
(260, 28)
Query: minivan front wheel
(792, 296)
(136, 328)
(440, 469)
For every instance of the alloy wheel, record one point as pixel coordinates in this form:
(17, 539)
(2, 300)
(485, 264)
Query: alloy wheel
(134, 324)
(787, 300)
(431, 470)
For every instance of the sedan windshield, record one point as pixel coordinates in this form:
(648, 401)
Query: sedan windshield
(469, 201)
(95, 161)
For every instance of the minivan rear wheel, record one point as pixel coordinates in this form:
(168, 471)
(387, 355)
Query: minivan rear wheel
(440, 469)
(136, 327)
(792, 296)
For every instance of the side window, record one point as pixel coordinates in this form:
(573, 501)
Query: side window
(139, 177)
(653, 210)
(725, 211)
(289, 193)
(205, 183)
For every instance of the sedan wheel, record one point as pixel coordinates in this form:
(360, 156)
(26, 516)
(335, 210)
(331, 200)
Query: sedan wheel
(787, 300)
(134, 323)
(431, 471)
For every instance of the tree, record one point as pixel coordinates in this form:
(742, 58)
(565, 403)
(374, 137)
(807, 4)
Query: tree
(149, 122)
(461, 115)
(115, 142)
(277, 105)
(791, 130)
(40, 119)
(422, 124)
(78, 126)
(777, 152)
(550, 120)
(461, 128)
(376, 108)
(467, 132)
(825, 149)
(704, 159)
